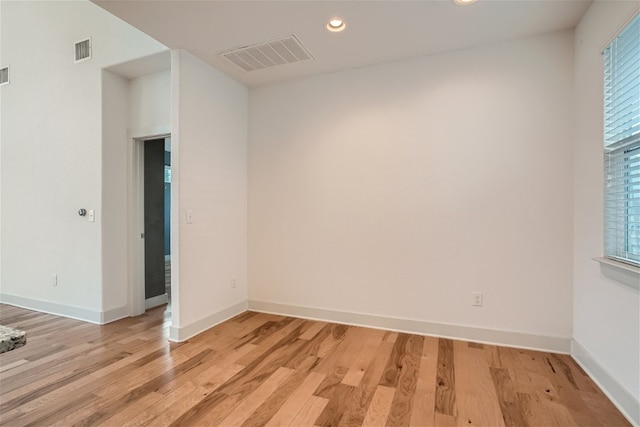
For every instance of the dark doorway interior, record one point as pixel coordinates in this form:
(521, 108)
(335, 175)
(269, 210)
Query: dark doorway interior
(154, 218)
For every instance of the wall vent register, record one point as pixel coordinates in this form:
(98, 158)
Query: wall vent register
(268, 54)
(83, 50)
(4, 75)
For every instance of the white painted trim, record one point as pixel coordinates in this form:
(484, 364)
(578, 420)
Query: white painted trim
(619, 29)
(136, 298)
(64, 310)
(621, 398)
(175, 190)
(114, 314)
(135, 227)
(620, 272)
(156, 301)
(154, 132)
(468, 333)
(188, 331)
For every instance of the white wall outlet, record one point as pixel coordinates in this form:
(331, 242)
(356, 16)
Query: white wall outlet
(189, 216)
(54, 280)
(233, 282)
(92, 215)
(477, 299)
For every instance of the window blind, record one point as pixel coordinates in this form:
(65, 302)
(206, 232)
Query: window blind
(622, 145)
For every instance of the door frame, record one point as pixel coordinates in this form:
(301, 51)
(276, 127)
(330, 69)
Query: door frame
(136, 291)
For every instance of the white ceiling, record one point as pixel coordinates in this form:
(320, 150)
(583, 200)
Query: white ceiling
(377, 31)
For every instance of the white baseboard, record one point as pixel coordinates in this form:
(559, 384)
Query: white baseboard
(114, 314)
(156, 301)
(624, 401)
(64, 310)
(185, 332)
(468, 333)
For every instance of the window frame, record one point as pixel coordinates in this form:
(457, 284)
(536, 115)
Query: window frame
(621, 142)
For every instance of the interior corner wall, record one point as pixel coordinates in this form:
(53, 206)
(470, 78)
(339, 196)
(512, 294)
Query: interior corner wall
(399, 189)
(209, 166)
(52, 151)
(115, 175)
(150, 104)
(606, 313)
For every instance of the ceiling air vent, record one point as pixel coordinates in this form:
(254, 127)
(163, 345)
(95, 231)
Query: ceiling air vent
(4, 76)
(83, 50)
(268, 54)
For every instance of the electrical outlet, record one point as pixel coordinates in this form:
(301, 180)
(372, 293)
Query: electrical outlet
(233, 282)
(477, 299)
(54, 280)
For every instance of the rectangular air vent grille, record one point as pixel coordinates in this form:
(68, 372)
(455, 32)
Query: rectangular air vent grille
(4, 75)
(269, 54)
(83, 50)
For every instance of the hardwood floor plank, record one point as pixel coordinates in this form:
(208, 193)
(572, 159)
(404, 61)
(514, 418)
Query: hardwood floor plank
(339, 400)
(445, 382)
(535, 411)
(313, 330)
(605, 411)
(259, 369)
(253, 401)
(136, 414)
(310, 412)
(188, 395)
(380, 406)
(509, 403)
(401, 406)
(12, 365)
(290, 408)
(394, 363)
(367, 352)
(477, 401)
(423, 408)
(337, 336)
(286, 330)
(275, 401)
(23, 395)
(112, 403)
(357, 411)
(444, 420)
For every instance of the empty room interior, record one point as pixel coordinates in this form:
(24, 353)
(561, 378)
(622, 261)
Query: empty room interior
(320, 212)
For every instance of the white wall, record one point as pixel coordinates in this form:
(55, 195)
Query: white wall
(115, 160)
(606, 313)
(52, 151)
(150, 103)
(131, 108)
(209, 171)
(397, 190)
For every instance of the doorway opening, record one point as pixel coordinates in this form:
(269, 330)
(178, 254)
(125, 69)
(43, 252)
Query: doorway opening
(157, 221)
(150, 224)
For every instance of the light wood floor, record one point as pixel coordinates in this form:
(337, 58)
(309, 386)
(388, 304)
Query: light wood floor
(258, 369)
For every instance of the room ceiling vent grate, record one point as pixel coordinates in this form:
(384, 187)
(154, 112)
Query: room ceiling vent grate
(268, 54)
(83, 50)
(4, 76)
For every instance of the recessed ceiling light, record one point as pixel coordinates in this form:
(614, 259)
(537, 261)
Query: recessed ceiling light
(463, 2)
(336, 25)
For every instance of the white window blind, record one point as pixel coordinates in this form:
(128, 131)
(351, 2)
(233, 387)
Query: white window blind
(622, 145)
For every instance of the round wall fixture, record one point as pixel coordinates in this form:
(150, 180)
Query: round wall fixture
(463, 2)
(336, 25)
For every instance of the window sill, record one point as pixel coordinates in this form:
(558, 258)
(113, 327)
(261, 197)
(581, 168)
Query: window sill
(620, 272)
